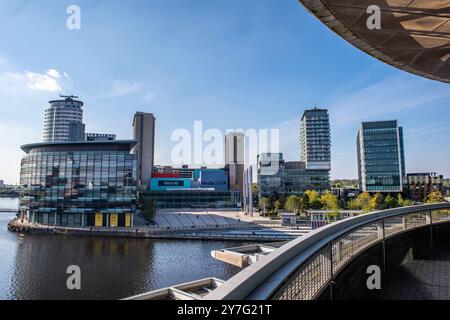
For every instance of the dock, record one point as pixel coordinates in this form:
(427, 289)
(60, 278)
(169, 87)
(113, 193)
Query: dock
(244, 256)
(194, 290)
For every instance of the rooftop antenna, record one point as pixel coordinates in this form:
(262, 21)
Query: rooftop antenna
(68, 97)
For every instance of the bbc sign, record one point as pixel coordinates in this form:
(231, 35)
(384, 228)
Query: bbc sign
(170, 183)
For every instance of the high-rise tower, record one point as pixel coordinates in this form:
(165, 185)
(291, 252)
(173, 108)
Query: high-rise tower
(381, 157)
(144, 134)
(64, 120)
(315, 139)
(235, 159)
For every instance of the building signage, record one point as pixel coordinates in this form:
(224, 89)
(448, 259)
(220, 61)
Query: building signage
(99, 219)
(128, 220)
(170, 183)
(114, 220)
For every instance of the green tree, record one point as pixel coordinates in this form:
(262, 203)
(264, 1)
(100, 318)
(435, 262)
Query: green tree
(400, 200)
(148, 207)
(337, 184)
(297, 204)
(407, 203)
(270, 205)
(331, 202)
(278, 205)
(306, 205)
(263, 204)
(363, 202)
(315, 202)
(282, 201)
(390, 202)
(377, 202)
(293, 203)
(403, 202)
(435, 197)
(353, 205)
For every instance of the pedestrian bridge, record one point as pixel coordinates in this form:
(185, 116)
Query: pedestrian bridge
(332, 262)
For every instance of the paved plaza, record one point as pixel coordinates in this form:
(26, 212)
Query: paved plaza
(427, 279)
(236, 221)
(182, 218)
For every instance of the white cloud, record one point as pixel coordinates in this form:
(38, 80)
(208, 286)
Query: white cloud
(388, 96)
(40, 82)
(148, 93)
(54, 73)
(24, 96)
(375, 102)
(13, 80)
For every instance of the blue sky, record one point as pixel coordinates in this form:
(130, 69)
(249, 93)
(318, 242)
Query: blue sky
(230, 63)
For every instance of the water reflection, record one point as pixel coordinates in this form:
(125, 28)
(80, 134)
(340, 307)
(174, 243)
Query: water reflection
(34, 266)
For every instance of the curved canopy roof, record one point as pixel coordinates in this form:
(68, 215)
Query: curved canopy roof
(117, 145)
(414, 34)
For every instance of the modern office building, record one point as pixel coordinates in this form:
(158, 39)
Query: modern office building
(192, 188)
(279, 177)
(76, 131)
(172, 172)
(2, 184)
(187, 178)
(63, 120)
(315, 139)
(270, 174)
(79, 184)
(446, 191)
(381, 157)
(195, 199)
(93, 137)
(144, 134)
(298, 179)
(420, 185)
(235, 159)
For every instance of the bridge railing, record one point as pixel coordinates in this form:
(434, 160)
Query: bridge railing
(303, 268)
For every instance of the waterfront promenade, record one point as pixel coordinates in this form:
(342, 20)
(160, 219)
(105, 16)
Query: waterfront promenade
(185, 224)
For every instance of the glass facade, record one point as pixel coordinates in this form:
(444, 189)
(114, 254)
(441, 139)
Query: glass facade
(297, 179)
(381, 160)
(276, 176)
(315, 138)
(420, 185)
(75, 185)
(270, 174)
(195, 199)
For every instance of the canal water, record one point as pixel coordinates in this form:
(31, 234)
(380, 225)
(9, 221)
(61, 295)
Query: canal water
(34, 266)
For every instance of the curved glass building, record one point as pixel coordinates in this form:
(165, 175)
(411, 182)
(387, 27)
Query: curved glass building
(79, 184)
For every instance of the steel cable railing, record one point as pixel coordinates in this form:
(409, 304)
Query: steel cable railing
(303, 268)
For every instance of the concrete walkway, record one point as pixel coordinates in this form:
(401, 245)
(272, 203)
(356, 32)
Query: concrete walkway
(427, 279)
(178, 218)
(237, 221)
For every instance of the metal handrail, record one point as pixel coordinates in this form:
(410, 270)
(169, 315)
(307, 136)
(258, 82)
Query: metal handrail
(262, 279)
